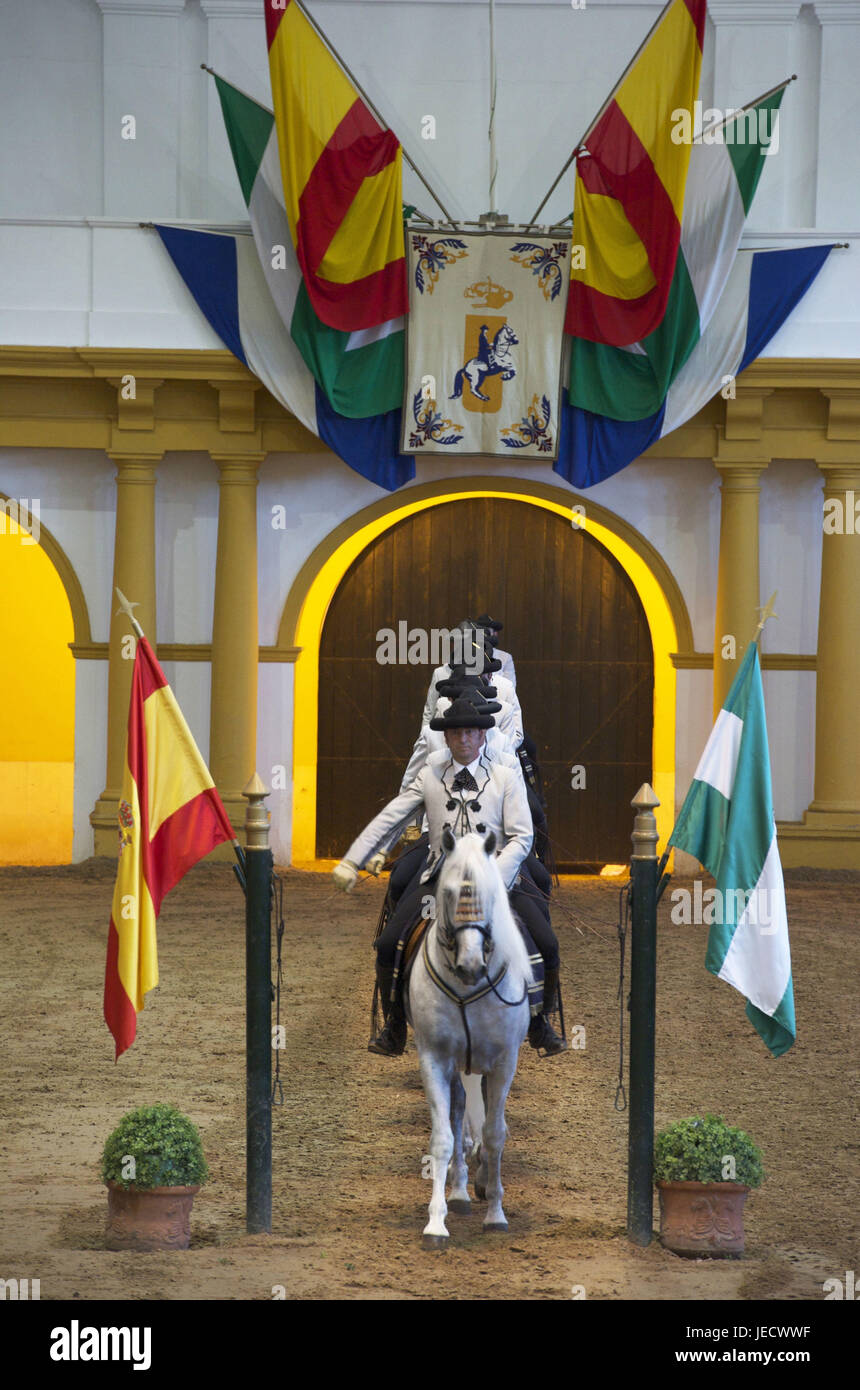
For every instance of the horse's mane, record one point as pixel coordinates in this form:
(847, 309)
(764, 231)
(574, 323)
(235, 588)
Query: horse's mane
(469, 854)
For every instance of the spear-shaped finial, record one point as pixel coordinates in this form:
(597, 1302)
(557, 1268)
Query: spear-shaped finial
(764, 614)
(126, 607)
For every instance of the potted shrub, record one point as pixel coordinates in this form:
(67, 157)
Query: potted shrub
(704, 1170)
(153, 1165)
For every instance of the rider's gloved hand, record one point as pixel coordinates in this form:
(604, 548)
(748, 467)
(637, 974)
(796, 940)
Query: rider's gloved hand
(376, 864)
(345, 875)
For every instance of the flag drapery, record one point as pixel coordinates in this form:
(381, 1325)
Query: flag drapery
(170, 816)
(727, 823)
(341, 173)
(629, 190)
(223, 273)
(360, 373)
(631, 383)
(762, 289)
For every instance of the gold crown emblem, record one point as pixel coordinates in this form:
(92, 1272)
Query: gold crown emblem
(494, 295)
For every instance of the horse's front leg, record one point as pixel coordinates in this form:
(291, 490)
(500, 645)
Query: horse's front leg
(437, 1088)
(498, 1084)
(459, 1200)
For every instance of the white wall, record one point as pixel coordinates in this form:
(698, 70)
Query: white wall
(76, 270)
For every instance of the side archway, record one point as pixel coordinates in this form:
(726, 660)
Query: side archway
(43, 612)
(314, 587)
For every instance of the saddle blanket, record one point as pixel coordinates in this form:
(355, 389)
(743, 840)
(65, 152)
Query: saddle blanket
(484, 343)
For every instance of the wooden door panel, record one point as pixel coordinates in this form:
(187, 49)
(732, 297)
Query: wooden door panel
(579, 638)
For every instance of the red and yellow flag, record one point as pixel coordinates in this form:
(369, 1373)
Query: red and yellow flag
(170, 815)
(342, 175)
(630, 183)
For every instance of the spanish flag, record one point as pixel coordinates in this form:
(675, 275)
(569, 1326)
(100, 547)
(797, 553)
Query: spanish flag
(170, 816)
(342, 178)
(630, 182)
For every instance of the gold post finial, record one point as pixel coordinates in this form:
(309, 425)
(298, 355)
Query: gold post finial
(764, 614)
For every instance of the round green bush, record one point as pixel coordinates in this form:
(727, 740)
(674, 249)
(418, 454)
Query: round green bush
(695, 1150)
(164, 1144)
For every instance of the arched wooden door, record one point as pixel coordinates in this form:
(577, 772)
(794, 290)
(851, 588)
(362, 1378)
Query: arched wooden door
(580, 642)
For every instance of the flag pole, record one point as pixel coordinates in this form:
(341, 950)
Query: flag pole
(366, 99)
(494, 169)
(579, 144)
(750, 104)
(126, 608)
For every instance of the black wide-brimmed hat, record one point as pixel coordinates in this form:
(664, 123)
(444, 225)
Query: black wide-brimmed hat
(476, 695)
(486, 621)
(478, 658)
(461, 682)
(463, 714)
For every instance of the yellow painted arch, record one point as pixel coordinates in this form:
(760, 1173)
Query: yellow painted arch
(307, 604)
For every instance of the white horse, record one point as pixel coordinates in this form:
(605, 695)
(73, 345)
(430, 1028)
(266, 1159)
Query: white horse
(490, 361)
(467, 1001)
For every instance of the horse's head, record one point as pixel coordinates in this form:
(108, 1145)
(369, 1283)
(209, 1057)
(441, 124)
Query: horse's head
(465, 899)
(505, 338)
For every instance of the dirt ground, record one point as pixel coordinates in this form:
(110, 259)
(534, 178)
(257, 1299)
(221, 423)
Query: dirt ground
(349, 1199)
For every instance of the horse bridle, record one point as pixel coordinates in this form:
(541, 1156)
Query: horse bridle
(448, 937)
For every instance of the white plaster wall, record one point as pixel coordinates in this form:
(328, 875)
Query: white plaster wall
(186, 537)
(91, 702)
(275, 750)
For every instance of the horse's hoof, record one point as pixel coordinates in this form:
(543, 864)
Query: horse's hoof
(480, 1192)
(495, 1225)
(434, 1242)
(461, 1206)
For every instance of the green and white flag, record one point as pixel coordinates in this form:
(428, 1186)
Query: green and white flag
(727, 823)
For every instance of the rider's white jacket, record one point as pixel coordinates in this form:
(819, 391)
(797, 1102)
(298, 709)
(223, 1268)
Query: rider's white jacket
(502, 807)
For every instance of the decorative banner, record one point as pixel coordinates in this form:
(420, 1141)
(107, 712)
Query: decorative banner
(484, 341)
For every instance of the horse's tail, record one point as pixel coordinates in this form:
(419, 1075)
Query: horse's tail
(475, 1112)
(458, 386)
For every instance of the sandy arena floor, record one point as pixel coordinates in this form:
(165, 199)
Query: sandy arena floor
(349, 1200)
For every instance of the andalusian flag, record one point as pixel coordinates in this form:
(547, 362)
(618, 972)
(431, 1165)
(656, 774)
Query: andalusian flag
(341, 172)
(170, 816)
(727, 823)
(360, 373)
(631, 383)
(630, 181)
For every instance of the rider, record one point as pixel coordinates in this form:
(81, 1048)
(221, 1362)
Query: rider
(461, 789)
(492, 627)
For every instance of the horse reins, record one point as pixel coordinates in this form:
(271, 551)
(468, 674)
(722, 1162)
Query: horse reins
(479, 993)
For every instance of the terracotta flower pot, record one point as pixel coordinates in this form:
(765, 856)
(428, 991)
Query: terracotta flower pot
(702, 1218)
(154, 1218)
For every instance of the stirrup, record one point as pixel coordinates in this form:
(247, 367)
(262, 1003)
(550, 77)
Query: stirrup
(546, 1040)
(390, 1041)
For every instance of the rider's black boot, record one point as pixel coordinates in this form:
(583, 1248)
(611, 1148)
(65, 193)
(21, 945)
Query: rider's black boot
(391, 1039)
(542, 1035)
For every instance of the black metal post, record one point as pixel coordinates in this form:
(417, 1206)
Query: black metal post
(258, 1012)
(643, 1001)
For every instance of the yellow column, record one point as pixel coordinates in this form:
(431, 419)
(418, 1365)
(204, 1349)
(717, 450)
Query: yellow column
(737, 575)
(836, 801)
(235, 649)
(134, 574)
